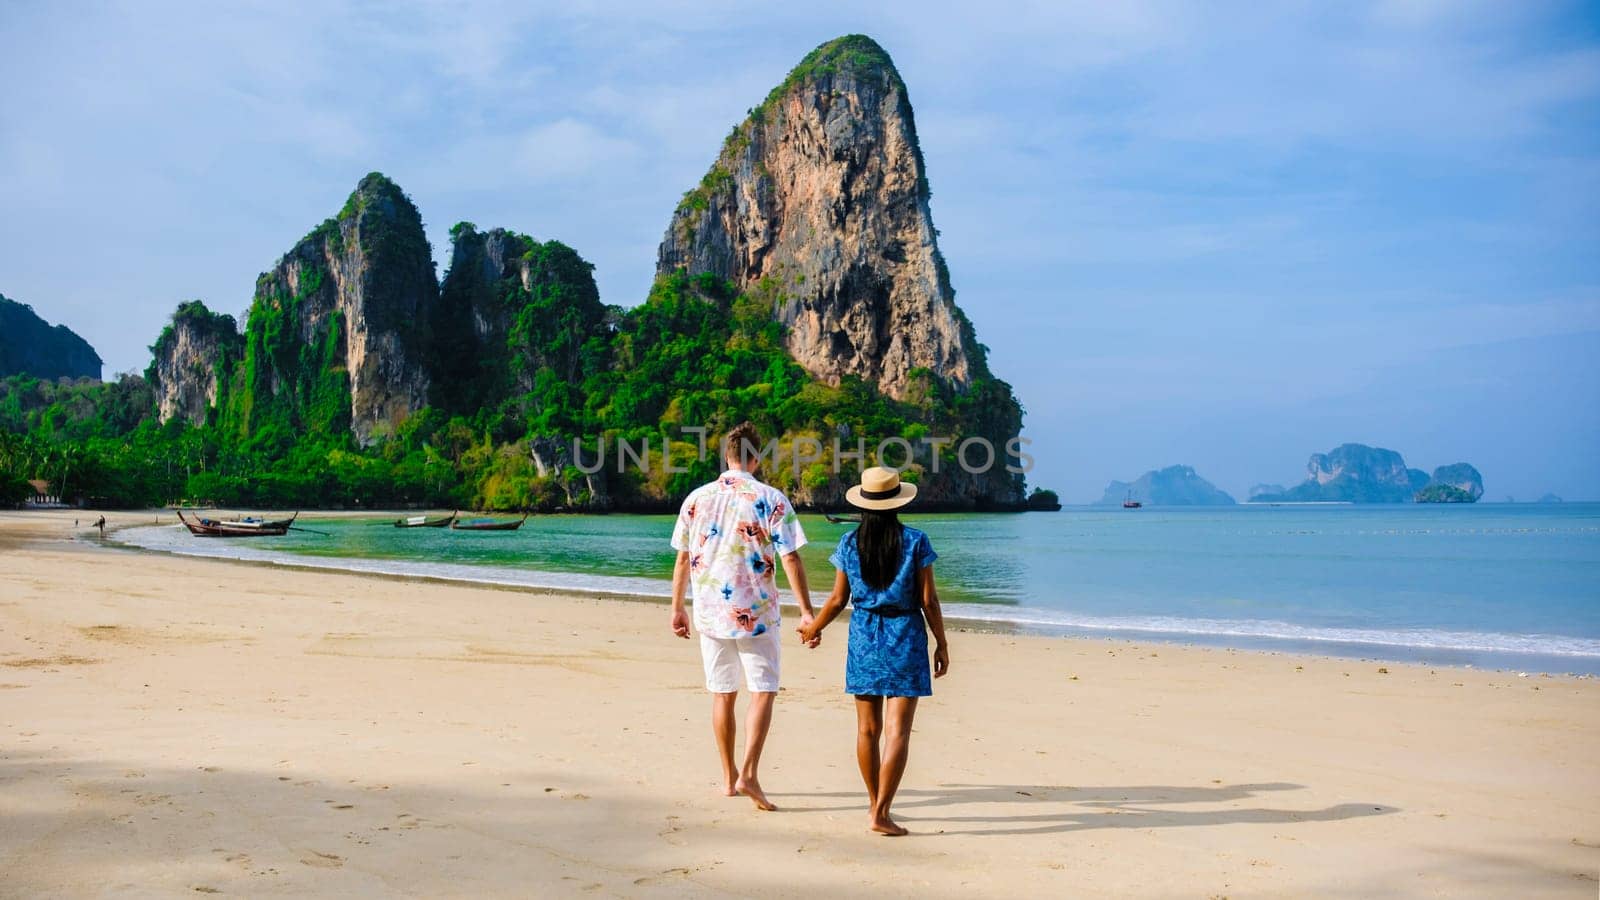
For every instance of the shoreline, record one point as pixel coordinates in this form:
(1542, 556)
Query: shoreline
(180, 725)
(1481, 651)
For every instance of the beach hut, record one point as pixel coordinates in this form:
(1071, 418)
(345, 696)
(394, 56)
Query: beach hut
(42, 497)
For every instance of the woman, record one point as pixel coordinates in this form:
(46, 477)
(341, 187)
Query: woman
(886, 571)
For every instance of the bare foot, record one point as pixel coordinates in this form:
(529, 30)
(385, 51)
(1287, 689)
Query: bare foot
(885, 826)
(729, 788)
(752, 788)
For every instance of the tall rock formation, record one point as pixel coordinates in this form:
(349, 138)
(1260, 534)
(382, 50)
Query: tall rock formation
(510, 307)
(818, 202)
(1462, 476)
(28, 344)
(1455, 483)
(336, 335)
(1354, 473)
(817, 209)
(193, 358)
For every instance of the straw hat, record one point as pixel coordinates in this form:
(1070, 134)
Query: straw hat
(881, 488)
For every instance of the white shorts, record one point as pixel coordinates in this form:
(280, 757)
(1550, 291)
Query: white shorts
(724, 657)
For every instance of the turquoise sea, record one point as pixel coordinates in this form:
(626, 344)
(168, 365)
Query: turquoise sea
(1494, 585)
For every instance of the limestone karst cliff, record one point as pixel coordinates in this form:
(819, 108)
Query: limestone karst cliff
(800, 287)
(509, 308)
(192, 360)
(817, 207)
(1357, 473)
(336, 334)
(1455, 483)
(819, 202)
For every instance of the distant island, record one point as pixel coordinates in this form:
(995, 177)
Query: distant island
(1172, 486)
(1357, 473)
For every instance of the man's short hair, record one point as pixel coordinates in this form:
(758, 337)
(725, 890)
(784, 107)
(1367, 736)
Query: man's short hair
(742, 443)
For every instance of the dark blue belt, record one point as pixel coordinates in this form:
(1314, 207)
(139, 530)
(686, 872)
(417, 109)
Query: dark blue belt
(888, 612)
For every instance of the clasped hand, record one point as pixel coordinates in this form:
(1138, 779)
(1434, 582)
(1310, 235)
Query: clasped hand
(810, 632)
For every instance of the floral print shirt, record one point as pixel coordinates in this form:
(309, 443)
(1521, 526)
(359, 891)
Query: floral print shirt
(734, 529)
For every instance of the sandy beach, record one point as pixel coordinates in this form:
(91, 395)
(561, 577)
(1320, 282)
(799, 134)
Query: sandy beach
(175, 725)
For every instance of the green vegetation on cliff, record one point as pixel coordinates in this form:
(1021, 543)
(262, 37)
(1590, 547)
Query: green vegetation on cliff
(853, 54)
(695, 353)
(1444, 493)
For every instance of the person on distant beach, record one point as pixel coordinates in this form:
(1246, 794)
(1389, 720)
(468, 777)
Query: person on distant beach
(727, 536)
(100, 523)
(885, 570)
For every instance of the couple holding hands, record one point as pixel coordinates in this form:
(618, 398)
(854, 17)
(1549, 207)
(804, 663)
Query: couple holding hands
(730, 536)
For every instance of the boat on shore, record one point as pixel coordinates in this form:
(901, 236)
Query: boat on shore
(487, 524)
(251, 526)
(425, 522)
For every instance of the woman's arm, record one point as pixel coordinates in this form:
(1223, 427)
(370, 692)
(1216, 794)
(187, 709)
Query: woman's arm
(935, 617)
(811, 635)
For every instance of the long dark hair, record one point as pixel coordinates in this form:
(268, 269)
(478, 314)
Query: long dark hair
(878, 544)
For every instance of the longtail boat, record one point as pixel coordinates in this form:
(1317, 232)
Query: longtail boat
(424, 521)
(203, 526)
(482, 524)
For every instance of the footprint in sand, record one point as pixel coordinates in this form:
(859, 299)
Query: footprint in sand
(670, 834)
(319, 860)
(665, 876)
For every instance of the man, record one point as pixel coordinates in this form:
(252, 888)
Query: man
(728, 533)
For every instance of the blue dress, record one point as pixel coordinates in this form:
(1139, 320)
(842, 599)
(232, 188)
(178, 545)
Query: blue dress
(888, 655)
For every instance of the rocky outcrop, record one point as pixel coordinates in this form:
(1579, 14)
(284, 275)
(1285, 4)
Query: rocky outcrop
(817, 209)
(509, 307)
(1461, 478)
(818, 203)
(1354, 473)
(345, 312)
(193, 356)
(1172, 486)
(579, 489)
(1264, 490)
(28, 344)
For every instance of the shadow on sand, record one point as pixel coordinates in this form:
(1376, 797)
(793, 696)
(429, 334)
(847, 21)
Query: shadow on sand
(1056, 809)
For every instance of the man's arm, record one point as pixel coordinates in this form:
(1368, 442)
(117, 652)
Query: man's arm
(680, 586)
(796, 572)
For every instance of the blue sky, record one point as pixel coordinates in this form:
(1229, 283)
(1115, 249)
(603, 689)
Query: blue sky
(1216, 234)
